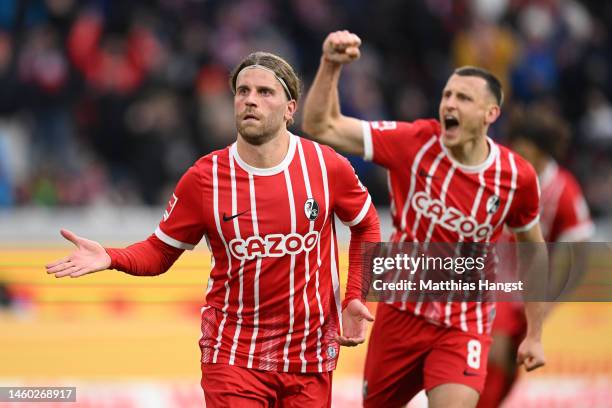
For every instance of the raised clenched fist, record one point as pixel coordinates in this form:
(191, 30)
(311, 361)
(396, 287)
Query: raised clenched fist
(341, 47)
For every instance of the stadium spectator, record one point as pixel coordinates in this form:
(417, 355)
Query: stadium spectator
(76, 111)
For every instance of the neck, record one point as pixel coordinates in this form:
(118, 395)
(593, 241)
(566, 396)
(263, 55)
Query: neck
(540, 164)
(471, 153)
(269, 154)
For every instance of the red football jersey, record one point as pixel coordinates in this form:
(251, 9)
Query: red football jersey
(565, 214)
(434, 198)
(273, 298)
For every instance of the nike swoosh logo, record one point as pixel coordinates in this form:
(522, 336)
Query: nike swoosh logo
(231, 217)
(469, 373)
(423, 173)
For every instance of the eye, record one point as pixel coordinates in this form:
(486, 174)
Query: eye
(265, 92)
(242, 91)
(464, 97)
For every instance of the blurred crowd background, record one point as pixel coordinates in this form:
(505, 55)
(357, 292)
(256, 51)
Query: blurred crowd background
(109, 102)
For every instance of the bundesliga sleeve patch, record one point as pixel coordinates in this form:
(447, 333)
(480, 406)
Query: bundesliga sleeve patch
(170, 208)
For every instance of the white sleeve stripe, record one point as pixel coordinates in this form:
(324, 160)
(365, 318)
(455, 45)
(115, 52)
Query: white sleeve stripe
(580, 232)
(171, 241)
(368, 149)
(526, 227)
(361, 215)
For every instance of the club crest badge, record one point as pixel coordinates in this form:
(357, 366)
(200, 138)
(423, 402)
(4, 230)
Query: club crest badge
(311, 209)
(493, 204)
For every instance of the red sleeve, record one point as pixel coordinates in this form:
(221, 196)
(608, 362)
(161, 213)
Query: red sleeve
(353, 206)
(146, 258)
(525, 207)
(395, 144)
(367, 231)
(183, 225)
(572, 222)
(351, 198)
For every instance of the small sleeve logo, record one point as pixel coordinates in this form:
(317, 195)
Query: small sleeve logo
(384, 125)
(170, 208)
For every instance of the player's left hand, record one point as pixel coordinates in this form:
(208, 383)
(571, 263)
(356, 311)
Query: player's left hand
(354, 318)
(530, 354)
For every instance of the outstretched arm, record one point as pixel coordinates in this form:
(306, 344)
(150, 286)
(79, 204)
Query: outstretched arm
(323, 120)
(146, 258)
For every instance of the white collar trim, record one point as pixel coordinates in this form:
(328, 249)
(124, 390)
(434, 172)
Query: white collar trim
(269, 171)
(493, 153)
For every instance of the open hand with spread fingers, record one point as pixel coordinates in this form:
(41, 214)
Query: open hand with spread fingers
(89, 256)
(341, 47)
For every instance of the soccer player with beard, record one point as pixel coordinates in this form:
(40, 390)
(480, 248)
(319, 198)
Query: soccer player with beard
(436, 168)
(266, 206)
(539, 136)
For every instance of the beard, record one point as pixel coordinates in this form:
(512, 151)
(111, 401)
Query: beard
(259, 132)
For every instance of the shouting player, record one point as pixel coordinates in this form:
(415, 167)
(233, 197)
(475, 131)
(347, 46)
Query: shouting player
(266, 207)
(441, 347)
(539, 136)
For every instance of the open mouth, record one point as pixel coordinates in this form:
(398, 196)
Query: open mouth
(450, 122)
(250, 115)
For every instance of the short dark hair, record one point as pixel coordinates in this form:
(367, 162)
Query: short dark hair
(542, 127)
(281, 68)
(492, 82)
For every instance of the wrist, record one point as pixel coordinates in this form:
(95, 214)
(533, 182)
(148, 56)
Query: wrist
(329, 63)
(348, 300)
(111, 258)
(534, 335)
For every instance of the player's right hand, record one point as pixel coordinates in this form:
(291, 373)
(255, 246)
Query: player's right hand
(89, 256)
(341, 47)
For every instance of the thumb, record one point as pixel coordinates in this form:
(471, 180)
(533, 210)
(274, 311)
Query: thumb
(70, 236)
(365, 313)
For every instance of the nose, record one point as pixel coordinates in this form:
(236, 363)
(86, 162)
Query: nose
(250, 100)
(449, 103)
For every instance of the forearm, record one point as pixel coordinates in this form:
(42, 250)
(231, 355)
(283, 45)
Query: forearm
(146, 258)
(367, 231)
(322, 103)
(533, 264)
(535, 313)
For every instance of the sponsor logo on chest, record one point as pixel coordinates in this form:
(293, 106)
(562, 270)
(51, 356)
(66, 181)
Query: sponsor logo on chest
(273, 245)
(453, 219)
